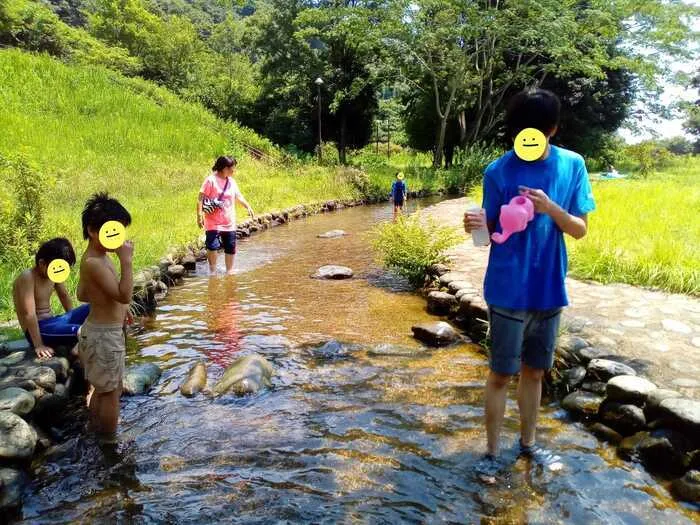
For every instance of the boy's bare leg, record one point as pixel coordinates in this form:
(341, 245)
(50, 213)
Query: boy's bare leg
(91, 391)
(496, 391)
(229, 263)
(211, 257)
(109, 412)
(529, 397)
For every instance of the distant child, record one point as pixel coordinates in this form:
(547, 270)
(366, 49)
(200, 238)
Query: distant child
(524, 284)
(398, 194)
(32, 292)
(102, 343)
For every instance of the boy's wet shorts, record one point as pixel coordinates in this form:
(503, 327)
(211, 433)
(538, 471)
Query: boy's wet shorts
(522, 336)
(102, 351)
(215, 240)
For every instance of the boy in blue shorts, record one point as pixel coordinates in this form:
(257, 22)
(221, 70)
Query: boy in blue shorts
(399, 193)
(524, 284)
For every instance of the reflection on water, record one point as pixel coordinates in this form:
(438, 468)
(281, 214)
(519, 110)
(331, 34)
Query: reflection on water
(377, 429)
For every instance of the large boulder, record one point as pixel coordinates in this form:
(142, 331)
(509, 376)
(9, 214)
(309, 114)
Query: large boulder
(13, 359)
(441, 303)
(43, 376)
(682, 414)
(333, 234)
(629, 389)
(626, 419)
(582, 403)
(11, 482)
(16, 400)
(573, 377)
(246, 375)
(654, 399)
(333, 272)
(17, 438)
(664, 451)
(140, 378)
(196, 380)
(604, 369)
(435, 334)
(59, 365)
(687, 488)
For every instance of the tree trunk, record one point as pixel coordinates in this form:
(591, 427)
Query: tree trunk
(449, 155)
(437, 158)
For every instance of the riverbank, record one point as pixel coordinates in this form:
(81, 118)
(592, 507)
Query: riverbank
(608, 331)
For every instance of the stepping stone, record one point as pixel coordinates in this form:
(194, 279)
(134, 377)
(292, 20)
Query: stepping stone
(17, 438)
(629, 389)
(604, 369)
(683, 414)
(605, 433)
(654, 399)
(441, 303)
(11, 482)
(447, 278)
(573, 377)
(16, 400)
(582, 403)
(671, 325)
(332, 272)
(435, 334)
(455, 286)
(140, 378)
(333, 234)
(626, 419)
(685, 382)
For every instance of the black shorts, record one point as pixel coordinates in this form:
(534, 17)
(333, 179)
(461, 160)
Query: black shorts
(215, 240)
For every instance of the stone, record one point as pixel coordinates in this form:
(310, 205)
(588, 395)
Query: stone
(3, 370)
(455, 286)
(597, 387)
(140, 378)
(333, 272)
(394, 351)
(50, 409)
(18, 382)
(435, 334)
(43, 441)
(17, 438)
(447, 278)
(18, 345)
(671, 325)
(59, 365)
(466, 292)
(441, 303)
(573, 377)
(176, 271)
(11, 482)
(247, 375)
(629, 389)
(682, 414)
(196, 380)
(43, 376)
(13, 359)
(572, 343)
(605, 433)
(17, 401)
(332, 350)
(687, 488)
(626, 419)
(686, 382)
(664, 450)
(586, 354)
(628, 447)
(582, 403)
(654, 399)
(604, 369)
(189, 262)
(333, 234)
(438, 270)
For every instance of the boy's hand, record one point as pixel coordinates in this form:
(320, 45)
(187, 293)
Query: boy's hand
(539, 198)
(200, 222)
(125, 252)
(44, 352)
(473, 220)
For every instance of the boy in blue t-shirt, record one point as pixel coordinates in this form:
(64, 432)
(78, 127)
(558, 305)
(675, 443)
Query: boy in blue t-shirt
(398, 194)
(524, 283)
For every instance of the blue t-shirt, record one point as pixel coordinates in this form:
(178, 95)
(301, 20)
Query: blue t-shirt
(527, 271)
(398, 190)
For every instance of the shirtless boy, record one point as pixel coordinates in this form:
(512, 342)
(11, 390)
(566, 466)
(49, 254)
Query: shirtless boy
(102, 343)
(32, 292)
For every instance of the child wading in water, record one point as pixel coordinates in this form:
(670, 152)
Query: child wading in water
(102, 342)
(398, 194)
(524, 283)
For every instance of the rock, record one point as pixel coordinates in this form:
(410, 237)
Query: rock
(435, 334)
(582, 403)
(43, 441)
(441, 303)
(189, 262)
(664, 451)
(473, 307)
(629, 389)
(11, 482)
(13, 359)
(50, 409)
(573, 377)
(456, 286)
(333, 234)
(605, 433)
(466, 292)
(18, 382)
(196, 380)
(672, 325)
(59, 365)
(16, 400)
(437, 270)
(572, 343)
(43, 376)
(626, 419)
(176, 271)
(246, 375)
(597, 387)
(687, 488)
(654, 399)
(447, 278)
(586, 354)
(394, 351)
(140, 378)
(17, 438)
(332, 350)
(686, 382)
(333, 272)
(3, 370)
(18, 345)
(627, 449)
(682, 414)
(604, 369)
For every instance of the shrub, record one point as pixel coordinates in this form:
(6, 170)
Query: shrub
(469, 163)
(410, 246)
(649, 156)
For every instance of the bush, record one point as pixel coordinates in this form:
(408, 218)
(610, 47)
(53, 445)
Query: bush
(649, 156)
(469, 163)
(410, 246)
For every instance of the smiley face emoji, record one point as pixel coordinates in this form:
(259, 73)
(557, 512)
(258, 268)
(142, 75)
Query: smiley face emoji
(112, 235)
(530, 144)
(58, 270)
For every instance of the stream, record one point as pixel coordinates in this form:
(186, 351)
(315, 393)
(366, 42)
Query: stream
(380, 430)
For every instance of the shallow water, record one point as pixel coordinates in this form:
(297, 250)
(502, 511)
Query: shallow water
(385, 431)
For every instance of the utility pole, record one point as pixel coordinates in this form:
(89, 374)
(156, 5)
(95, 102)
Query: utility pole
(319, 82)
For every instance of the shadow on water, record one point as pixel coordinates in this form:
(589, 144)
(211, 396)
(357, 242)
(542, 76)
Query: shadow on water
(362, 423)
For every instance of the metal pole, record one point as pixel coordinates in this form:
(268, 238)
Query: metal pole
(320, 137)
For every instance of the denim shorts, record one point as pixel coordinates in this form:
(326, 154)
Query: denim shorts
(215, 240)
(522, 336)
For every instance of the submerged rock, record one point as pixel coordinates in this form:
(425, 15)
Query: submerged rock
(16, 400)
(17, 438)
(435, 334)
(333, 234)
(626, 419)
(246, 375)
(604, 369)
(441, 303)
(629, 389)
(682, 414)
(333, 272)
(664, 451)
(582, 403)
(687, 488)
(605, 433)
(11, 482)
(196, 380)
(140, 378)
(333, 350)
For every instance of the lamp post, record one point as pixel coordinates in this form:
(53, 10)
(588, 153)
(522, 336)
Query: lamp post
(319, 82)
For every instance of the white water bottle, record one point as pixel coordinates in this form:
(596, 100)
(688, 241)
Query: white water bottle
(480, 236)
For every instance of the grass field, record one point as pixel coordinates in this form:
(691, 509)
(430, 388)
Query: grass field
(644, 232)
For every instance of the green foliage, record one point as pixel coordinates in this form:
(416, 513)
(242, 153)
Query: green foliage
(649, 156)
(409, 246)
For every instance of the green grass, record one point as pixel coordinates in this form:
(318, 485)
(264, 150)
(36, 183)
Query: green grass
(644, 232)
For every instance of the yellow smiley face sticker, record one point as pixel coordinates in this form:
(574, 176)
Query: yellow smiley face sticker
(58, 270)
(530, 144)
(112, 235)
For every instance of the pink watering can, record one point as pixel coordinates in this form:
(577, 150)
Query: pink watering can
(514, 218)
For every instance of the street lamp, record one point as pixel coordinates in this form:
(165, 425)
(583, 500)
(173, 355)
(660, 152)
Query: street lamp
(319, 82)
